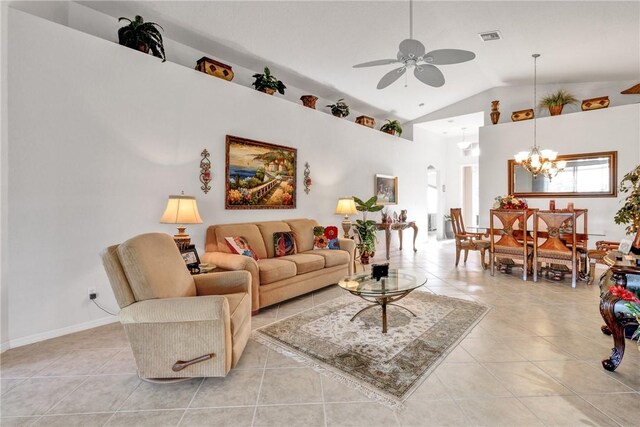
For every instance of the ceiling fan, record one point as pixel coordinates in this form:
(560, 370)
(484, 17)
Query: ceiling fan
(412, 54)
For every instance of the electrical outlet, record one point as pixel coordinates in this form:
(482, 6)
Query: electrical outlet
(92, 293)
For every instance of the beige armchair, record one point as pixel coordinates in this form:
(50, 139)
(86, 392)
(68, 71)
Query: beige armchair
(178, 325)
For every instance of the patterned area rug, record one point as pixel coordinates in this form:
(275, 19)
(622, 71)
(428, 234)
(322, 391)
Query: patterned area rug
(386, 367)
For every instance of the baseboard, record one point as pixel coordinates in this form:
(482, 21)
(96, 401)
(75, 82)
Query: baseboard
(19, 342)
(4, 346)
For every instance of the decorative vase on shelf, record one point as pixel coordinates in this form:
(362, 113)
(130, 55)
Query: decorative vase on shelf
(495, 113)
(555, 110)
(309, 101)
(268, 90)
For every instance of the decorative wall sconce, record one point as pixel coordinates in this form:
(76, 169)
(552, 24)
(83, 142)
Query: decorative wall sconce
(307, 178)
(205, 171)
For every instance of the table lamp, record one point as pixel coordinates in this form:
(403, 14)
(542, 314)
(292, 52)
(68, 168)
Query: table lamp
(346, 206)
(181, 210)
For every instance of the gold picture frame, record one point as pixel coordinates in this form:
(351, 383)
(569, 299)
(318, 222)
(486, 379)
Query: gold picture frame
(386, 189)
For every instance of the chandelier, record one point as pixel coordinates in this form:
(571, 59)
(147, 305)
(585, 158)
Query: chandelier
(537, 161)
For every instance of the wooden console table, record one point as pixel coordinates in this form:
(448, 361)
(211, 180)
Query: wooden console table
(399, 226)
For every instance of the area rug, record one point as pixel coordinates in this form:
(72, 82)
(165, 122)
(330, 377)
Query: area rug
(386, 367)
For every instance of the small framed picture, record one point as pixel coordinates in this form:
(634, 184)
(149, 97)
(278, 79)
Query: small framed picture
(190, 257)
(386, 189)
(625, 246)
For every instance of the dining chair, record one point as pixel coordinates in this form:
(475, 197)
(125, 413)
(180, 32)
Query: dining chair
(555, 250)
(467, 241)
(505, 225)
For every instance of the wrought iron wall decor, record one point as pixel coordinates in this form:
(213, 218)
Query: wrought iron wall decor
(205, 171)
(307, 178)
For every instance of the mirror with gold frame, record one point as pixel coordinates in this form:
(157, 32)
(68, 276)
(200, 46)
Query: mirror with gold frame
(586, 175)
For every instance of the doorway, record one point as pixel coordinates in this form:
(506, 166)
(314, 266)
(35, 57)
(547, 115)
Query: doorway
(432, 202)
(470, 194)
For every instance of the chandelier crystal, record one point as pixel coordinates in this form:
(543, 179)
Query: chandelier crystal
(537, 161)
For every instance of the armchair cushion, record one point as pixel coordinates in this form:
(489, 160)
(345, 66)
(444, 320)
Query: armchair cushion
(154, 267)
(223, 283)
(168, 310)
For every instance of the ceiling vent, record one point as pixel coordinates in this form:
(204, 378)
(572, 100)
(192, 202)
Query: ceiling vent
(490, 36)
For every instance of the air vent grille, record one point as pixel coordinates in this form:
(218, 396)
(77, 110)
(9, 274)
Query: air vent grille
(490, 36)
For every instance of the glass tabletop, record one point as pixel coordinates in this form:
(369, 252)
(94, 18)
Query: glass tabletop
(397, 282)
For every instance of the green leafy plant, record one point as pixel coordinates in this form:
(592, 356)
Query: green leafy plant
(365, 228)
(392, 126)
(558, 99)
(267, 81)
(629, 213)
(339, 109)
(142, 36)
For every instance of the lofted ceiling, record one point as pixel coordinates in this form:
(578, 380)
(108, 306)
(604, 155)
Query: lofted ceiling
(313, 44)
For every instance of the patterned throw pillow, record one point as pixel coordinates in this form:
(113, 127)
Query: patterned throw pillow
(325, 237)
(240, 246)
(284, 243)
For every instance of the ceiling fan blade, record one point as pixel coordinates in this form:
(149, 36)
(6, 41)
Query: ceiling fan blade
(448, 56)
(411, 46)
(376, 63)
(429, 75)
(391, 77)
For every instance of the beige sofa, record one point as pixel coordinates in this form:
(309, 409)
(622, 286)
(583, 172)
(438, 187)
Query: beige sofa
(276, 279)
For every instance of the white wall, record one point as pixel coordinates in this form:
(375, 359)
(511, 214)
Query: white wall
(4, 286)
(100, 135)
(611, 129)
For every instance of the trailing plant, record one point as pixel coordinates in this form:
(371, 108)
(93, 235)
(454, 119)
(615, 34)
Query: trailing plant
(392, 125)
(365, 228)
(267, 81)
(629, 213)
(142, 36)
(339, 109)
(558, 99)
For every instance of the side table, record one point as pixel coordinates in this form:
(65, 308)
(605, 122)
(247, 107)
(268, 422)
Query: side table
(399, 226)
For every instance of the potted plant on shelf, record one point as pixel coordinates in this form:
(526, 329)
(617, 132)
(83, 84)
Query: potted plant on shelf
(392, 127)
(365, 229)
(339, 109)
(557, 100)
(142, 36)
(267, 83)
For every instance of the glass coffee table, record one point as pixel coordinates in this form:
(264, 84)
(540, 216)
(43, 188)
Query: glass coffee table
(384, 291)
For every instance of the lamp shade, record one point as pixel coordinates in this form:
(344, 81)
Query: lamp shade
(346, 206)
(181, 210)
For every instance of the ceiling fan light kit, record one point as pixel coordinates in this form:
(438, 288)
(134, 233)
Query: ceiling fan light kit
(412, 55)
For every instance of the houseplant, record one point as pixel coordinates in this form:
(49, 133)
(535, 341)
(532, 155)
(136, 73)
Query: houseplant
(392, 127)
(629, 213)
(339, 109)
(557, 100)
(142, 36)
(366, 228)
(267, 83)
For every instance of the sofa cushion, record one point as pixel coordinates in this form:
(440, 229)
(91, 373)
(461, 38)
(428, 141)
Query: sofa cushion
(154, 267)
(267, 229)
(305, 263)
(248, 231)
(274, 269)
(284, 243)
(303, 230)
(331, 257)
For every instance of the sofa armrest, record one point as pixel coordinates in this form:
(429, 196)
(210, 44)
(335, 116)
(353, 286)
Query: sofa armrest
(349, 245)
(236, 262)
(176, 310)
(223, 283)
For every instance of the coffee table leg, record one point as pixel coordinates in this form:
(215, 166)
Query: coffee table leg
(384, 317)
(405, 308)
(366, 308)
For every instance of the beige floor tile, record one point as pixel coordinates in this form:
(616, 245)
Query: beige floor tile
(19, 363)
(238, 388)
(431, 389)
(469, 380)
(537, 349)
(122, 363)
(627, 372)
(290, 386)
(489, 349)
(498, 412)
(82, 420)
(254, 356)
(435, 413)
(161, 396)
(7, 384)
(459, 355)
(146, 418)
(219, 417)
(79, 362)
(17, 421)
(36, 395)
(526, 379)
(335, 391)
(622, 407)
(279, 360)
(566, 411)
(582, 348)
(290, 415)
(581, 377)
(103, 393)
(359, 414)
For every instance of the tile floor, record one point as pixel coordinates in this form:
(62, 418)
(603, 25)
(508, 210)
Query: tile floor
(533, 360)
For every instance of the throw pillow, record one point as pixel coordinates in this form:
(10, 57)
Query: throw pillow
(240, 246)
(284, 243)
(325, 237)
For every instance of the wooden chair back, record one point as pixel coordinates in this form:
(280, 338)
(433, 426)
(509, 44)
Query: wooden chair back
(457, 222)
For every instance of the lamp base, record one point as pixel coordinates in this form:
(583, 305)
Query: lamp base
(182, 239)
(346, 226)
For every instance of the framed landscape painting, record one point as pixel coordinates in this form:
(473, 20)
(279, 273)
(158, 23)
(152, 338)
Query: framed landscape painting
(386, 190)
(259, 175)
